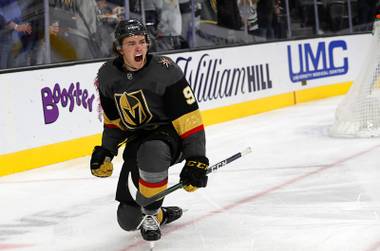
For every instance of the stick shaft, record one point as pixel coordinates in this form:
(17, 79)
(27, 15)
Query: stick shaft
(179, 185)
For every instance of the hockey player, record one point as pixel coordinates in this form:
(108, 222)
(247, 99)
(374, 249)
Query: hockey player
(148, 104)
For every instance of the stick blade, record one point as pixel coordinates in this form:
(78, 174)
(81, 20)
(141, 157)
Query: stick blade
(246, 151)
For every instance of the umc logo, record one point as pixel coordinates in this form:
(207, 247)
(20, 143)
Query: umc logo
(323, 61)
(133, 109)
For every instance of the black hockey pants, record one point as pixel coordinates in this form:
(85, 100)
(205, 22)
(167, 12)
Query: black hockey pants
(150, 154)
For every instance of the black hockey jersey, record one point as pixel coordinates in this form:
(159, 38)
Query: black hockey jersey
(155, 95)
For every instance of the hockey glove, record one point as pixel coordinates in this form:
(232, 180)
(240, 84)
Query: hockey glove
(100, 162)
(194, 173)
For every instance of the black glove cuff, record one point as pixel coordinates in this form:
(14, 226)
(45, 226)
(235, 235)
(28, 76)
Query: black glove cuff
(102, 150)
(98, 156)
(202, 159)
(195, 171)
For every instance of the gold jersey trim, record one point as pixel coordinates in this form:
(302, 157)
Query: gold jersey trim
(188, 122)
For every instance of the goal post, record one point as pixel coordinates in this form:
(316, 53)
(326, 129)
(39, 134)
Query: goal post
(358, 115)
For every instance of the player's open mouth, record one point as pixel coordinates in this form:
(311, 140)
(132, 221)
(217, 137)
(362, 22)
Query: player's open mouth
(138, 58)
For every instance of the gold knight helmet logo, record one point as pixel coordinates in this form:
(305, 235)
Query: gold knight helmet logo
(133, 109)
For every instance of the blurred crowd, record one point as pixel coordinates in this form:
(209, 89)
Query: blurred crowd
(35, 32)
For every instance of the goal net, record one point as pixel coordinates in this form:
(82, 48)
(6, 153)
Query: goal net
(358, 115)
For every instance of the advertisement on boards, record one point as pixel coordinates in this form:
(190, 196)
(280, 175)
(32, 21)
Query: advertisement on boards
(46, 106)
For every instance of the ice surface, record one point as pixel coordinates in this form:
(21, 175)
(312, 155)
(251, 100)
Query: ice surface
(299, 190)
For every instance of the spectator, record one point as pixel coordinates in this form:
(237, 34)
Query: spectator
(366, 11)
(228, 14)
(33, 14)
(265, 15)
(14, 28)
(186, 9)
(2, 26)
(2, 32)
(170, 25)
(2, 22)
(248, 12)
(107, 20)
(77, 38)
(259, 16)
(105, 10)
(151, 21)
(336, 12)
(279, 20)
(151, 14)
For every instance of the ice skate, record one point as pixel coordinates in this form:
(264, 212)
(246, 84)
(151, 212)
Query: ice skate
(171, 214)
(150, 228)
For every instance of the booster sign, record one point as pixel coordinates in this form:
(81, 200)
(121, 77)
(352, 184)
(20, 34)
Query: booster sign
(326, 60)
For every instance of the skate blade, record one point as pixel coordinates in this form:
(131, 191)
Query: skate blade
(151, 245)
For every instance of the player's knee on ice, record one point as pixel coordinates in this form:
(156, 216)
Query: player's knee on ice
(128, 216)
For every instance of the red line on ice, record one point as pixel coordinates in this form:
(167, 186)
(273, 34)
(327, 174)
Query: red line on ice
(260, 195)
(374, 247)
(4, 246)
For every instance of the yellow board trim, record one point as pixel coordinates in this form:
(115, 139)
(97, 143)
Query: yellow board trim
(47, 155)
(321, 92)
(225, 113)
(71, 149)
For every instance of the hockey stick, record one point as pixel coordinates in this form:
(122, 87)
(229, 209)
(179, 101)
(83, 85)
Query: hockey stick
(144, 201)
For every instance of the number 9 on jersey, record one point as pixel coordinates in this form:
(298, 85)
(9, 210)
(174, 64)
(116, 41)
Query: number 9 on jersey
(189, 96)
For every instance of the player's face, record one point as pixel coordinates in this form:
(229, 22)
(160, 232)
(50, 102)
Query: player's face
(134, 50)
